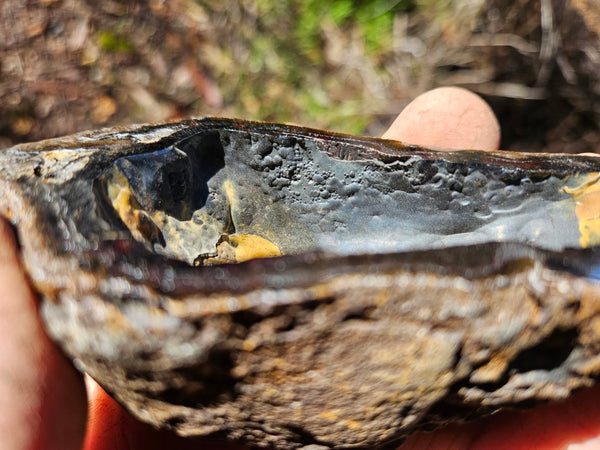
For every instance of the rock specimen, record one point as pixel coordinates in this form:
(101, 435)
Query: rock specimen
(288, 287)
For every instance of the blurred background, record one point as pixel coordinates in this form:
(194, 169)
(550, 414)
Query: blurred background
(70, 65)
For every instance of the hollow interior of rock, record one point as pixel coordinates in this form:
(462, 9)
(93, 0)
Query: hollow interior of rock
(226, 196)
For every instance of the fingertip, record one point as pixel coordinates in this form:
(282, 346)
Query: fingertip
(447, 117)
(110, 427)
(572, 424)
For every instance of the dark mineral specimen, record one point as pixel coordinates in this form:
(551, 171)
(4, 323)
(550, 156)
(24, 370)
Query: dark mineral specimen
(288, 287)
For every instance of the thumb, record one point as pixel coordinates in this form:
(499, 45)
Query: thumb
(42, 397)
(447, 117)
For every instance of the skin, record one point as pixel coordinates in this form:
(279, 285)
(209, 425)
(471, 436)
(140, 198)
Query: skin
(43, 401)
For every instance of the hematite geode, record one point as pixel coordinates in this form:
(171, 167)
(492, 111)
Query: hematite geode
(289, 287)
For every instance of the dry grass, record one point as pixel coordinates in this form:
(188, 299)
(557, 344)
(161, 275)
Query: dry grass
(67, 65)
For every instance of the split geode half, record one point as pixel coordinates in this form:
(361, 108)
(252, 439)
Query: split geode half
(288, 287)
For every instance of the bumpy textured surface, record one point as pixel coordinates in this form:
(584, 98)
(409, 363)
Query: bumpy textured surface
(288, 287)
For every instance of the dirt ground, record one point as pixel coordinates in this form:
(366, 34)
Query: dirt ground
(70, 65)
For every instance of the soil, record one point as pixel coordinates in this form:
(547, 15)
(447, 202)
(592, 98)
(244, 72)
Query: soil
(70, 65)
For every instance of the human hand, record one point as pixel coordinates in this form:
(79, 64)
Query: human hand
(43, 400)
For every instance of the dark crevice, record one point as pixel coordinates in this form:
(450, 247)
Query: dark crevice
(362, 314)
(246, 318)
(209, 383)
(289, 324)
(229, 227)
(304, 436)
(174, 421)
(548, 354)
(207, 156)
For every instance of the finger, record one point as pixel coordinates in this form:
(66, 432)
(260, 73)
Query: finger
(447, 117)
(551, 426)
(42, 397)
(110, 427)
(573, 424)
